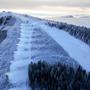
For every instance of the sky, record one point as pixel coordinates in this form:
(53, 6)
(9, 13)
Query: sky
(47, 7)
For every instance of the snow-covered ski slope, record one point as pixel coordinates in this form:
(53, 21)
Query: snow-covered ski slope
(34, 45)
(18, 75)
(75, 47)
(27, 51)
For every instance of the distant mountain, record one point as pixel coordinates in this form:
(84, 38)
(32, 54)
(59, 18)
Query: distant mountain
(76, 16)
(68, 16)
(71, 16)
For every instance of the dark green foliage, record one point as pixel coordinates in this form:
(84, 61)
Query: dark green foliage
(57, 77)
(1, 20)
(80, 80)
(3, 35)
(88, 82)
(79, 32)
(7, 20)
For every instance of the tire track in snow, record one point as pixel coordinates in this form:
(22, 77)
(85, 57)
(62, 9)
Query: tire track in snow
(18, 75)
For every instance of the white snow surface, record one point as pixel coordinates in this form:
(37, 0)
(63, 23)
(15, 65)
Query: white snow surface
(18, 75)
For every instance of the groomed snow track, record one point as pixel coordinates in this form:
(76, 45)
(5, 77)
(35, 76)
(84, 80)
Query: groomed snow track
(18, 75)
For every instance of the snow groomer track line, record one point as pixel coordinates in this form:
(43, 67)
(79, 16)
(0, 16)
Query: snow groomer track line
(18, 75)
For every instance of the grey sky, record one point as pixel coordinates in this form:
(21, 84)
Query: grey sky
(36, 3)
(47, 7)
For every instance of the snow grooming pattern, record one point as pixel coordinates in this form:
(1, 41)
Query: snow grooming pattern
(45, 48)
(18, 75)
(74, 47)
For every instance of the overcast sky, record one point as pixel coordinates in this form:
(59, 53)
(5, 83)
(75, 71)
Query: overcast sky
(35, 3)
(49, 6)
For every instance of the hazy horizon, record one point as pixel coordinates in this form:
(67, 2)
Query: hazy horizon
(45, 8)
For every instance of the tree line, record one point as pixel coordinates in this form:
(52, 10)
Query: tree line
(80, 32)
(6, 20)
(57, 77)
(3, 35)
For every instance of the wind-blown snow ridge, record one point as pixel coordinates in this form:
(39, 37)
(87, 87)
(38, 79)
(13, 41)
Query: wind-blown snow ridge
(18, 75)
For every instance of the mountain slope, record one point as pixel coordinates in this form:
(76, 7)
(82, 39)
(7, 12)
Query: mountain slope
(30, 39)
(34, 44)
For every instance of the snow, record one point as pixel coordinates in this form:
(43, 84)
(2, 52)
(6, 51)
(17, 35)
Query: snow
(18, 75)
(7, 47)
(17, 65)
(20, 88)
(76, 48)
